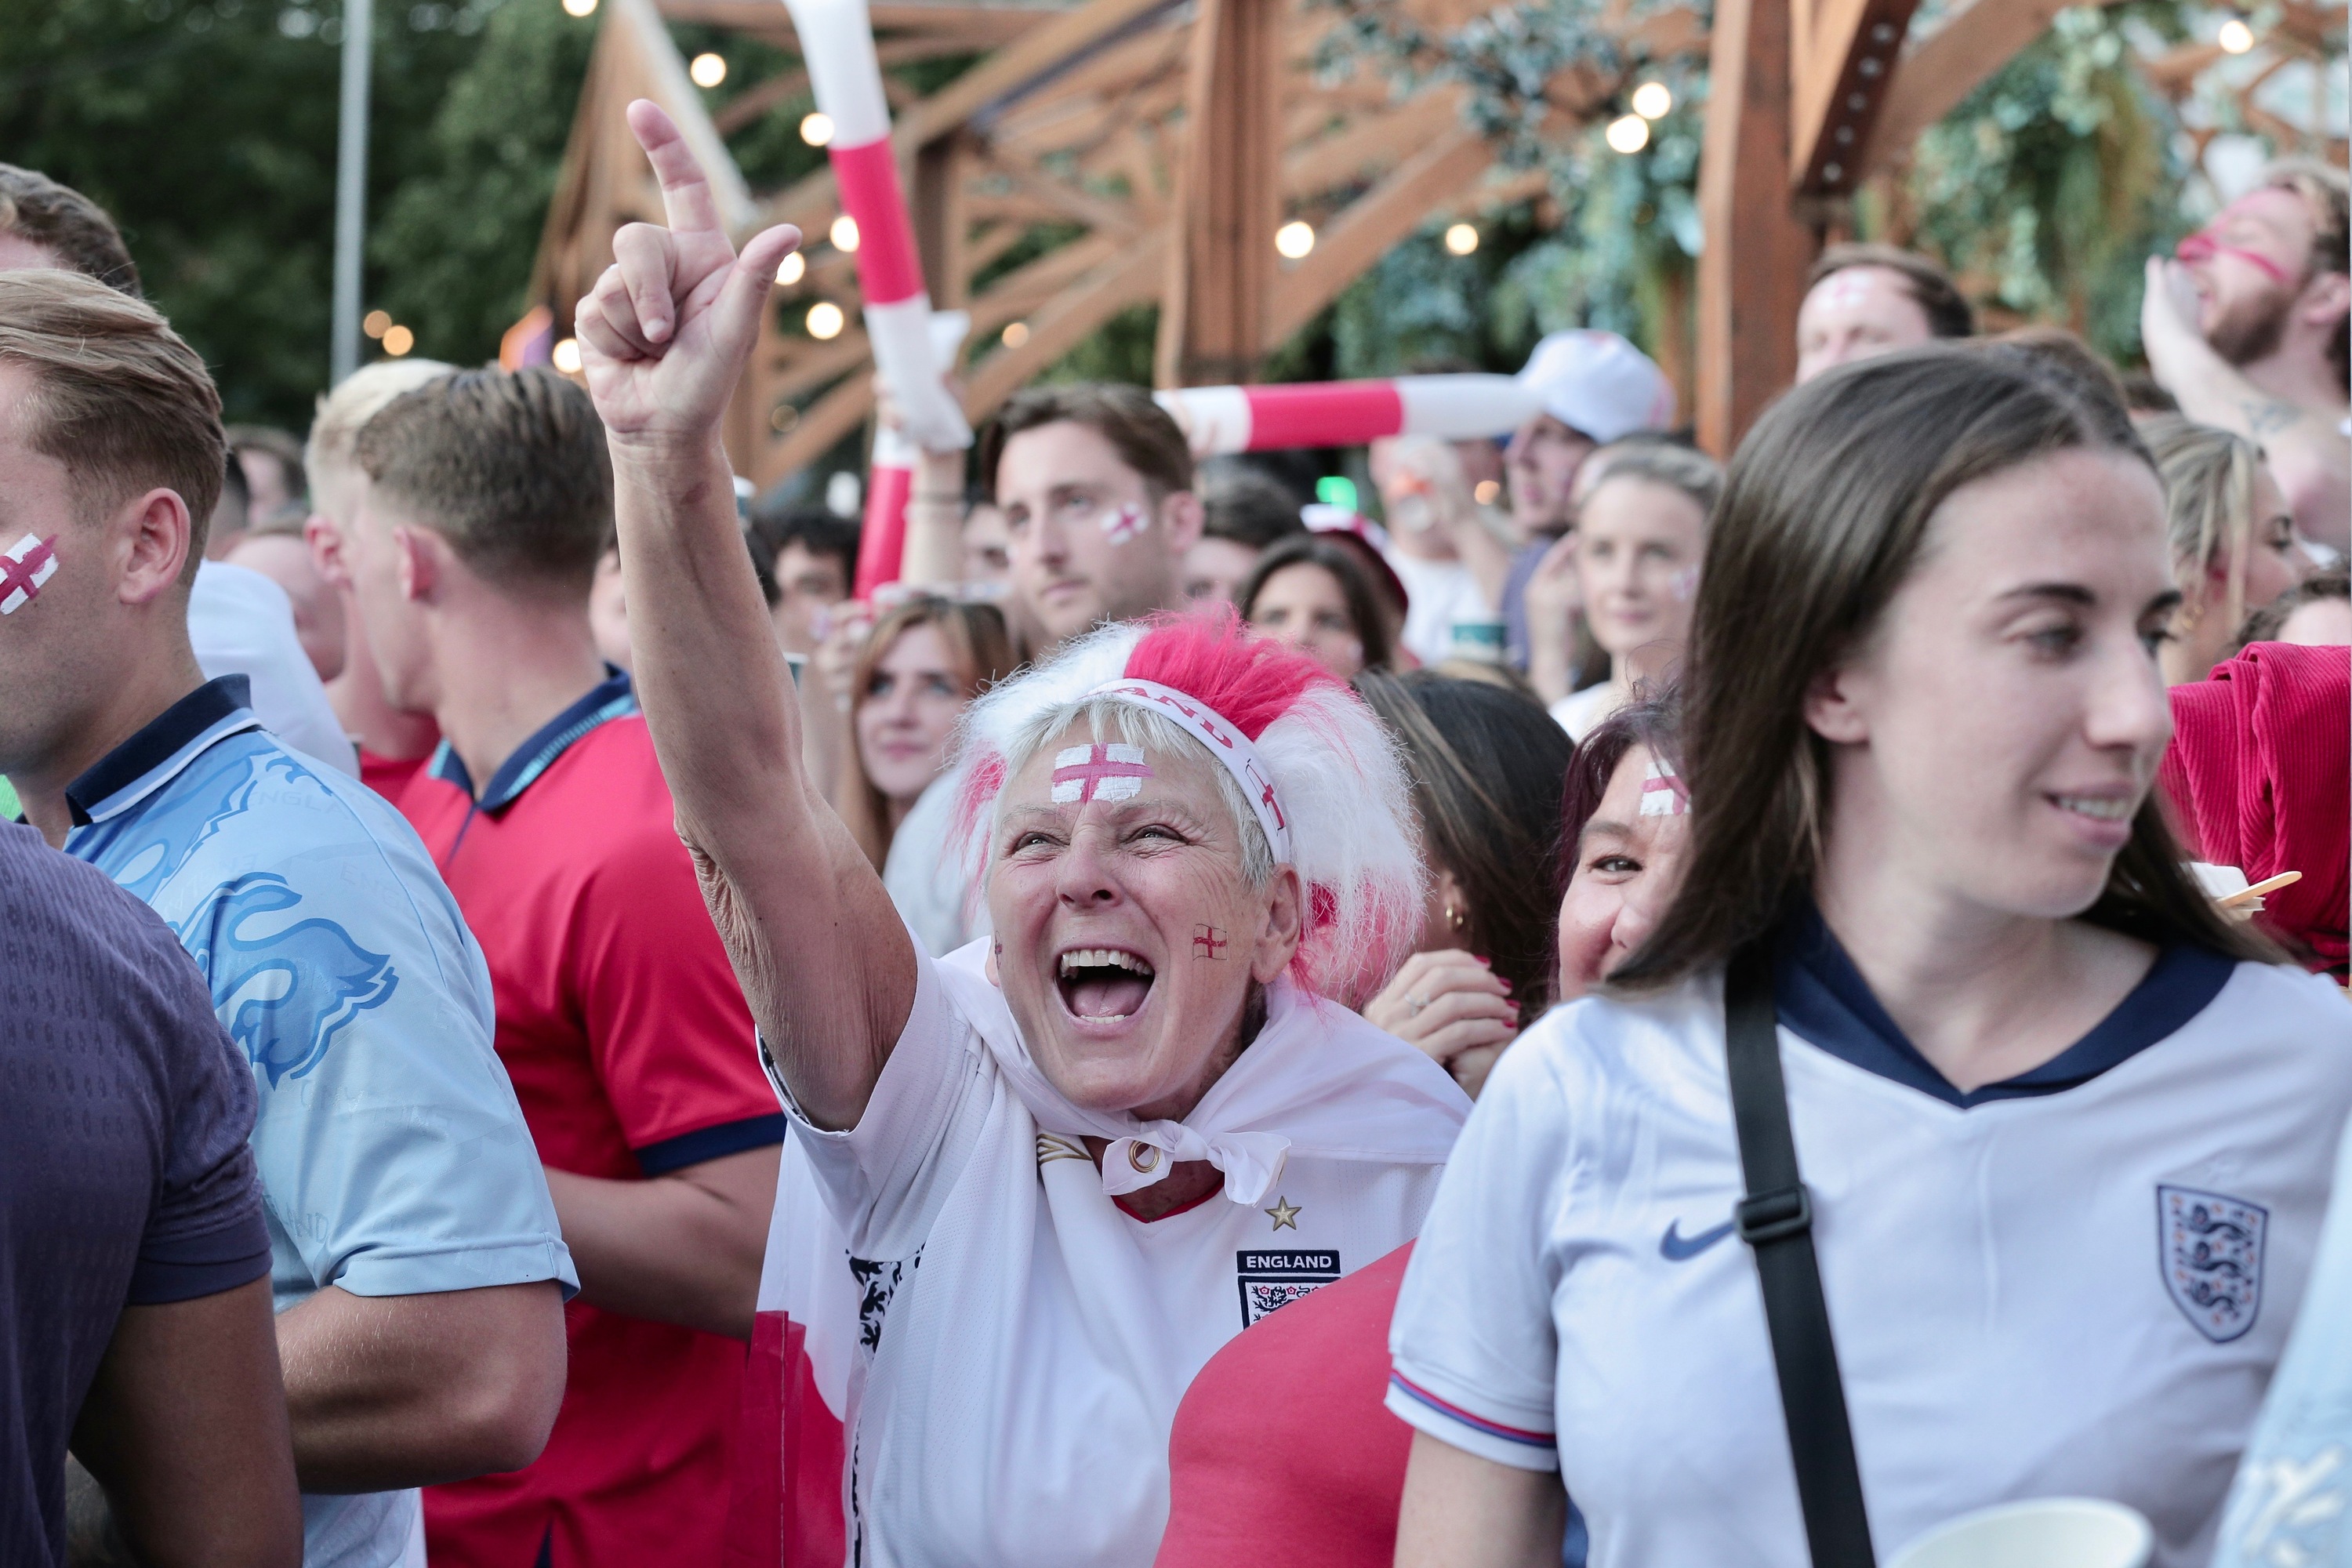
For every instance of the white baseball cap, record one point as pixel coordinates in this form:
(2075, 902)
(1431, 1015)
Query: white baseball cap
(1597, 383)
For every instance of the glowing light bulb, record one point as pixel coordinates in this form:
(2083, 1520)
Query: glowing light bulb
(825, 319)
(579, 8)
(1295, 238)
(1015, 333)
(566, 356)
(1462, 238)
(843, 233)
(707, 70)
(791, 268)
(816, 128)
(1653, 101)
(398, 340)
(1628, 133)
(375, 323)
(2236, 36)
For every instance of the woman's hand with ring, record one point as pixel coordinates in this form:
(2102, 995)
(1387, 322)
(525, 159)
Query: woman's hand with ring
(1446, 1003)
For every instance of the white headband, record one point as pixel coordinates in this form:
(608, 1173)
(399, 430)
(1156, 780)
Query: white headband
(1226, 742)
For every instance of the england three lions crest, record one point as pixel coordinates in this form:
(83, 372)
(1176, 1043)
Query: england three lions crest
(2211, 1248)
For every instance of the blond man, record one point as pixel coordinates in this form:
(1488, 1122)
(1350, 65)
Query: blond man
(416, 1262)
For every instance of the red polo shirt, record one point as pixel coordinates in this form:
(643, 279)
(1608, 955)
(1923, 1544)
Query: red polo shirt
(632, 1053)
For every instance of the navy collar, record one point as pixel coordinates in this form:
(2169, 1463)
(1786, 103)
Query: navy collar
(160, 739)
(1820, 996)
(611, 698)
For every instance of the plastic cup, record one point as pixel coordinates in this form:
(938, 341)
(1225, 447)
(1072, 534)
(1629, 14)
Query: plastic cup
(2046, 1533)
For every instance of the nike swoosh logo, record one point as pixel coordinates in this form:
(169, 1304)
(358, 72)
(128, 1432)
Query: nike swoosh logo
(1677, 1248)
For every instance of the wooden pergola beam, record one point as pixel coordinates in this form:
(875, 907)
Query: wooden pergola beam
(1131, 277)
(1752, 268)
(1449, 166)
(1843, 54)
(1931, 80)
(1038, 53)
(983, 26)
(1214, 324)
(1369, 142)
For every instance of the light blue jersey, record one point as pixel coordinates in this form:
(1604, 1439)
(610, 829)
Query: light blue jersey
(392, 1156)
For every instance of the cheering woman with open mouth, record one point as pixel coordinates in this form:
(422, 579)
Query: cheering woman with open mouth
(1062, 1167)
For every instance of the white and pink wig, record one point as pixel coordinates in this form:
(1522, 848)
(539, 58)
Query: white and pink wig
(1345, 800)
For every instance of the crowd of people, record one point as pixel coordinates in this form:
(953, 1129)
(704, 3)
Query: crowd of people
(1607, 1008)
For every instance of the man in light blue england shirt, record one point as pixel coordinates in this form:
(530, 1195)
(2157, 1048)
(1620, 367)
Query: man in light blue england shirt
(416, 1261)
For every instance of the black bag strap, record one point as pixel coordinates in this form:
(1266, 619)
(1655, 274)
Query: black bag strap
(1776, 1220)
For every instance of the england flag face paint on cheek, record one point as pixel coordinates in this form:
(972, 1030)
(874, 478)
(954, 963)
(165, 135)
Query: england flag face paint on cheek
(24, 567)
(1125, 523)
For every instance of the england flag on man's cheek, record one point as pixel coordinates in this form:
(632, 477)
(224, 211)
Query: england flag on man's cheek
(23, 568)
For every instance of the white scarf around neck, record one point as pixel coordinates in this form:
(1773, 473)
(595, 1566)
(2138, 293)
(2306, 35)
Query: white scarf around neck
(1289, 1092)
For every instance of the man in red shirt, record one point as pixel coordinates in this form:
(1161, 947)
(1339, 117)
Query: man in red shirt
(488, 503)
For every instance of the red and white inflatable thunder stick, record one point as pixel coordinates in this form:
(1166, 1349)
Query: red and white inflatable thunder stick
(1217, 419)
(836, 38)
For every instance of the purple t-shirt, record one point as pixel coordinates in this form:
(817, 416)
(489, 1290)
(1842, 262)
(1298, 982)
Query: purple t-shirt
(124, 1175)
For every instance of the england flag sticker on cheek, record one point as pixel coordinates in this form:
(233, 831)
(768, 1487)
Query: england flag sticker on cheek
(1099, 772)
(24, 567)
(1123, 524)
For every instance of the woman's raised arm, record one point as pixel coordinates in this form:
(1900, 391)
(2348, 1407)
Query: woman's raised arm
(823, 960)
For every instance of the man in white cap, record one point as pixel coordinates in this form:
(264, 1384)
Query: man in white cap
(1596, 388)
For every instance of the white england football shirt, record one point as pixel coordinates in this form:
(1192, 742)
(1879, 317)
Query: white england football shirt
(2076, 1282)
(1022, 1341)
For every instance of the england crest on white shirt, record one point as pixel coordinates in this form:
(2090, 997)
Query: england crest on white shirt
(2210, 1247)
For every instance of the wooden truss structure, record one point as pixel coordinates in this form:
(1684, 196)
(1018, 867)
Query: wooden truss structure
(1103, 154)
(1809, 98)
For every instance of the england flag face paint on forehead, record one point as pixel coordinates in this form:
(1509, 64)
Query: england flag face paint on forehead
(24, 568)
(1663, 792)
(1102, 771)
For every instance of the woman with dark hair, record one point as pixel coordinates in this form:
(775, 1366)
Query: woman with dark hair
(1313, 595)
(1625, 825)
(2011, 1032)
(1486, 767)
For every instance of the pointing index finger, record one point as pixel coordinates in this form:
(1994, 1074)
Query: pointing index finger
(686, 193)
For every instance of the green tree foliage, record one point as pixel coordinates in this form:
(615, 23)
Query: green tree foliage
(451, 249)
(2042, 190)
(2052, 183)
(208, 127)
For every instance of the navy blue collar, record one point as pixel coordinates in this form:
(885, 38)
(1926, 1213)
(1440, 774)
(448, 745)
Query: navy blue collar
(611, 698)
(156, 744)
(1822, 997)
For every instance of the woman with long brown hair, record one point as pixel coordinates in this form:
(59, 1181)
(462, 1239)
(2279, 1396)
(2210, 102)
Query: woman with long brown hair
(1934, 944)
(1487, 765)
(917, 671)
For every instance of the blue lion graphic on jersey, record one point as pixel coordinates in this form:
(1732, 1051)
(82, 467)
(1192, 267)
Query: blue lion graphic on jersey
(328, 979)
(215, 794)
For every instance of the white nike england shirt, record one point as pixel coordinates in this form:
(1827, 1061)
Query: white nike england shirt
(2076, 1283)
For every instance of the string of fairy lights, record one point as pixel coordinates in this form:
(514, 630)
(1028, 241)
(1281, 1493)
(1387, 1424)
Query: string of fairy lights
(825, 319)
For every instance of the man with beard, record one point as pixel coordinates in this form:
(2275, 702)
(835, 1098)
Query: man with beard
(2247, 329)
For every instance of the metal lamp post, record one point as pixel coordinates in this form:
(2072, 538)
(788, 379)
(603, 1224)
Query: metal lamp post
(350, 186)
